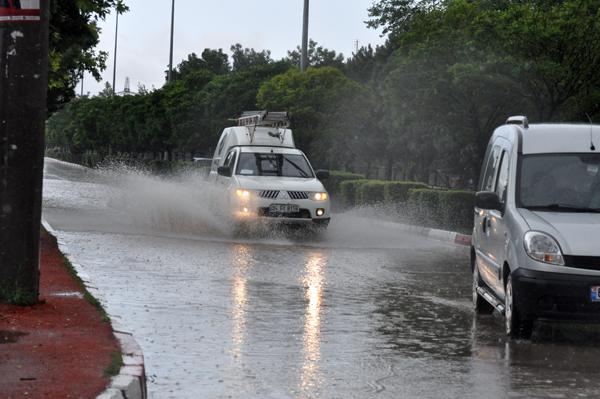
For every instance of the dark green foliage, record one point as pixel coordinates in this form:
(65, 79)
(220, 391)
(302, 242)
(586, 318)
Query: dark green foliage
(74, 34)
(370, 192)
(336, 177)
(186, 115)
(443, 209)
(17, 296)
(457, 207)
(420, 108)
(318, 56)
(423, 205)
(397, 191)
(348, 192)
(246, 58)
(116, 362)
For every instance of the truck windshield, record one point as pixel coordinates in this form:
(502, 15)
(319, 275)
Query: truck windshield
(560, 182)
(285, 165)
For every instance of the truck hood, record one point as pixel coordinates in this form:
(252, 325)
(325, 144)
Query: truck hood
(577, 233)
(279, 183)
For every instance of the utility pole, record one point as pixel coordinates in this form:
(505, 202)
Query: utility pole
(82, 73)
(304, 60)
(23, 86)
(171, 47)
(115, 57)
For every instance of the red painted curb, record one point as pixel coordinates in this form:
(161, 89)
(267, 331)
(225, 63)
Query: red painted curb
(462, 239)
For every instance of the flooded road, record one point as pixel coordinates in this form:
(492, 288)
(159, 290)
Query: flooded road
(363, 311)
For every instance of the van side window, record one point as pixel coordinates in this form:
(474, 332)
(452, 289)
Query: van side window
(230, 159)
(502, 183)
(222, 144)
(491, 169)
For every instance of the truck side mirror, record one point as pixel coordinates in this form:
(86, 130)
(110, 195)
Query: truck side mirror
(224, 171)
(322, 174)
(488, 200)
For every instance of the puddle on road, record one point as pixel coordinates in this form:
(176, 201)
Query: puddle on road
(121, 199)
(10, 337)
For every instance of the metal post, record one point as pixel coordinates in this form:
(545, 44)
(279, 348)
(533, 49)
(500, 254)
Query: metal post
(304, 60)
(115, 60)
(23, 86)
(171, 47)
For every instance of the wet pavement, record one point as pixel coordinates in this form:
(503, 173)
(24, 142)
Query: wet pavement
(361, 311)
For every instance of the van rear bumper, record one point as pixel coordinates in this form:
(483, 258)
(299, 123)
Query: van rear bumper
(544, 295)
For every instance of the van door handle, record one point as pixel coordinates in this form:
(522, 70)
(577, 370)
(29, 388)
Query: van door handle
(486, 224)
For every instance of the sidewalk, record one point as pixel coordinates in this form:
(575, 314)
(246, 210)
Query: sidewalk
(61, 348)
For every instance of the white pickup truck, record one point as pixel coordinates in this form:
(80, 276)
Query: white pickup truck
(265, 177)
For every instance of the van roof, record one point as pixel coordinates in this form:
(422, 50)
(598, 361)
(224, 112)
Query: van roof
(560, 138)
(275, 150)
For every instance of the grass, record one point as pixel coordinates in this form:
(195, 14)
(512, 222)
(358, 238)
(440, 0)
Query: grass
(86, 294)
(116, 362)
(73, 273)
(17, 297)
(116, 357)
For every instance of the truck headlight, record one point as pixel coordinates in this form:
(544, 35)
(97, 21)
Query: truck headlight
(319, 196)
(241, 193)
(543, 248)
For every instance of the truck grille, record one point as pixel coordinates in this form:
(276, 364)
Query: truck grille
(271, 194)
(583, 262)
(297, 195)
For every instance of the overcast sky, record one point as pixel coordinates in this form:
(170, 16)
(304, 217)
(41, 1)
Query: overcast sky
(276, 25)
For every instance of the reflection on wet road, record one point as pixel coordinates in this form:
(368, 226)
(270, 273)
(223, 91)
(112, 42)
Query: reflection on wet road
(364, 311)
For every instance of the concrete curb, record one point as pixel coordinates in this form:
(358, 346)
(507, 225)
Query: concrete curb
(130, 383)
(449, 237)
(72, 165)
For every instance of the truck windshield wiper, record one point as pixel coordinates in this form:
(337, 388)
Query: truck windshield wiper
(564, 208)
(302, 171)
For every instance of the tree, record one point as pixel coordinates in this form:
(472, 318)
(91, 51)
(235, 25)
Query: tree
(74, 34)
(311, 97)
(318, 56)
(213, 61)
(396, 16)
(245, 58)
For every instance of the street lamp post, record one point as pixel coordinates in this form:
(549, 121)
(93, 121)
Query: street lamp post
(171, 47)
(115, 56)
(304, 60)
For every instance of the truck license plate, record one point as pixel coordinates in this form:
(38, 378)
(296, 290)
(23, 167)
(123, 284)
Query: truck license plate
(284, 208)
(595, 293)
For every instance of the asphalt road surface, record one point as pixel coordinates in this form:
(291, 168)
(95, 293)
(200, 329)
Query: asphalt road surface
(362, 311)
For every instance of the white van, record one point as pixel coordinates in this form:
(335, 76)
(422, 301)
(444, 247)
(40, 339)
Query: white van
(265, 176)
(536, 237)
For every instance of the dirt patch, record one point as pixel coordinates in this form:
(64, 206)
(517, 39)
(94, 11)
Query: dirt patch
(58, 348)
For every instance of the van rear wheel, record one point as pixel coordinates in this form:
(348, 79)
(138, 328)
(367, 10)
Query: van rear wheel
(516, 326)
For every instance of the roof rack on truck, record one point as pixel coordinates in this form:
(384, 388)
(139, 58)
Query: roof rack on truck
(254, 119)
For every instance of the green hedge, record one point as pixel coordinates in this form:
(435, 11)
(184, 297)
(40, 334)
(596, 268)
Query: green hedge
(397, 191)
(421, 205)
(444, 209)
(336, 178)
(370, 192)
(348, 192)
(457, 207)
